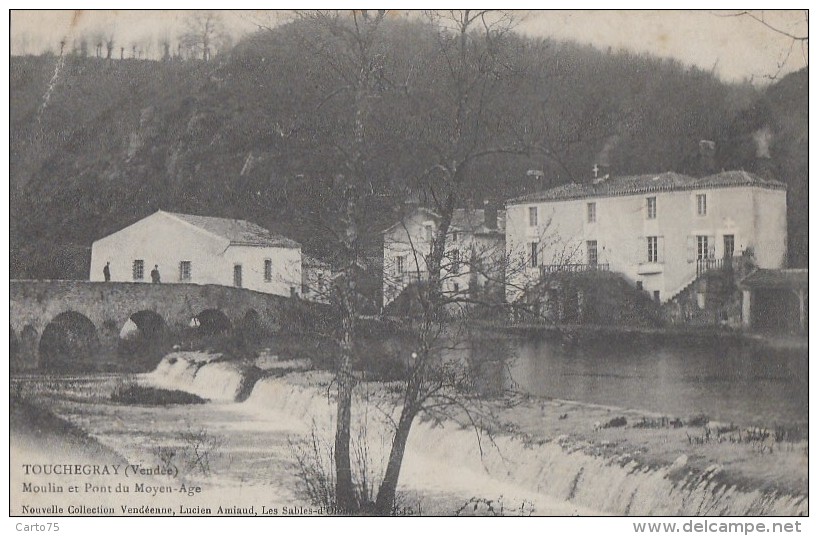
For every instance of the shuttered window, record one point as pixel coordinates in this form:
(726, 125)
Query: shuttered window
(138, 270)
(653, 249)
(268, 270)
(184, 271)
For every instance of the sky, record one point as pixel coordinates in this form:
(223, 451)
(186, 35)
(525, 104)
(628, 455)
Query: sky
(734, 47)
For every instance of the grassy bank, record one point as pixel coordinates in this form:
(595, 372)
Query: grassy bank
(37, 432)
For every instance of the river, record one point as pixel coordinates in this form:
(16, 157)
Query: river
(729, 381)
(251, 459)
(251, 446)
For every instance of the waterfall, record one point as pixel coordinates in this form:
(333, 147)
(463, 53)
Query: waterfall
(446, 455)
(199, 374)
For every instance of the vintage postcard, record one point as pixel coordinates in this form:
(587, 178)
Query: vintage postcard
(409, 263)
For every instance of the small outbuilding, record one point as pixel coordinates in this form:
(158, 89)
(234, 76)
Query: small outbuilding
(776, 300)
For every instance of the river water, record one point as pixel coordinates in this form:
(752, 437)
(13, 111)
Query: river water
(253, 459)
(252, 447)
(728, 381)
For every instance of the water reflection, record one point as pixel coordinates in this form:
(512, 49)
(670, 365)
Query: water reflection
(727, 380)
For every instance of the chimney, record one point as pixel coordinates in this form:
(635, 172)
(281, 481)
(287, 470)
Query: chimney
(601, 173)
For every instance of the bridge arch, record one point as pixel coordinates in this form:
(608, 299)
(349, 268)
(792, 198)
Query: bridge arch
(212, 321)
(69, 338)
(147, 325)
(29, 341)
(143, 338)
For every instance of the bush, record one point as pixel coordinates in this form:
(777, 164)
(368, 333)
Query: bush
(135, 394)
(698, 420)
(616, 422)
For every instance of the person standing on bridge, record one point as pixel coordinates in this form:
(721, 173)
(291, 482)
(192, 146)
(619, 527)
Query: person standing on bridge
(107, 271)
(155, 274)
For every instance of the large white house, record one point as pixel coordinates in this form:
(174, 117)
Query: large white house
(200, 250)
(474, 251)
(656, 230)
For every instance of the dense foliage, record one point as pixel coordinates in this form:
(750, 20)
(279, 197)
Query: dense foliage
(260, 134)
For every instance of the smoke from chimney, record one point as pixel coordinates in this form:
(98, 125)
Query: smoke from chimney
(603, 158)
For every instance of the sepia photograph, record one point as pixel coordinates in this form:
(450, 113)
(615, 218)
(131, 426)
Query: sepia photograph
(402, 262)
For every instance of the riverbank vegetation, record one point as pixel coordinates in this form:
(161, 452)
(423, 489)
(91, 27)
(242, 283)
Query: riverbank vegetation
(132, 393)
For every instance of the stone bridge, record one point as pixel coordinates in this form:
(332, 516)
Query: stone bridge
(37, 306)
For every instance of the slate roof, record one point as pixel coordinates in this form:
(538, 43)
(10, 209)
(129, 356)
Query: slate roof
(638, 184)
(468, 220)
(779, 279)
(474, 221)
(238, 232)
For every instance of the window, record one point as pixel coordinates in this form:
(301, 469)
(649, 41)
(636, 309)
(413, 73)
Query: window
(237, 275)
(656, 296)
(701, 204)
(534, 254)
(455, 261)
(653, 249)
(184, 271)
(591, 212)
(532, 216)
(593, 258)
(454, 236)
(456, 287)
(268, 270)
(651, 208)
(138, 270)
(398, 265)
(702, 249)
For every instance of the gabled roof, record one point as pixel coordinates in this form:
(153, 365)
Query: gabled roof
(464, 220)
(794, 279)
(238, 232)
(636, 184)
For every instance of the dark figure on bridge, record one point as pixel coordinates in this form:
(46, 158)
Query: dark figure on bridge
(155, 274)
(107, 271)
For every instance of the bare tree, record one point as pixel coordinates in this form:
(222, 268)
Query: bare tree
(109, 46)
(797, 32)
(202, 29)
(477, 75)
(164, 44)
(99, 41)
(346, 43)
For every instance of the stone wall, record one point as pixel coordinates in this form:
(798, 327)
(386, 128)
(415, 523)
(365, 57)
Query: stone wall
(34, 304)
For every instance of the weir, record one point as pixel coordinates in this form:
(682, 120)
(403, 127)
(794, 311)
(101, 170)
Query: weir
(555, 471)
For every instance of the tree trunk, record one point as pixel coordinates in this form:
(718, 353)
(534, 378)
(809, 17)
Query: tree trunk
(344, 491)
(386, 493)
